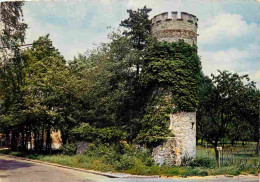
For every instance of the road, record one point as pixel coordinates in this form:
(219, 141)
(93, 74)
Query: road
(13, 170)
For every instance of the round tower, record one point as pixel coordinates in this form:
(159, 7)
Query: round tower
(171, 29)
(182, 146)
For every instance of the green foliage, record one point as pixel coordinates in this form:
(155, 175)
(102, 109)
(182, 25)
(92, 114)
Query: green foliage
(13, 32)
(203, 162)
(138, 25)
(125, 162)
(122, 156)
(194, 172)
(228, 106)
(177, 66)
(126, 158)
(171, 71)
(106, 134)
(154, 124)
(68, 149)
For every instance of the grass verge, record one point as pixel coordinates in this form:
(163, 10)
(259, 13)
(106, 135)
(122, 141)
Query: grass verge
(127, 159)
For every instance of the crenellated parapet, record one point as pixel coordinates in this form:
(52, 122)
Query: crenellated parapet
(170, 28)
(165, 17)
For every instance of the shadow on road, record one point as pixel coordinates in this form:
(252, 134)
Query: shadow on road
(12, 164)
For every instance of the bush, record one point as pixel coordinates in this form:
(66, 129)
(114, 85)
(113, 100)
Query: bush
(145, 157)
(174, 171)
(121, 155)
(190, 172)
(231, 170)
(202, 173)
(126, 162)
(203, 162)
(69, 149)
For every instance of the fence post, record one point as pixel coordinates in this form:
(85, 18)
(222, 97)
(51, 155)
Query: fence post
(219, 149)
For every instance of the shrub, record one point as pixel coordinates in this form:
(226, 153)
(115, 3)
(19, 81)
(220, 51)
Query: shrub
(202, 173)
(190, 172)
(203, 162)
(68, 149)
(173, 171)
(145, 157)
(126, 162)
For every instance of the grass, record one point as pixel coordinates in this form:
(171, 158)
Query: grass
(127, 159)
(233, 155)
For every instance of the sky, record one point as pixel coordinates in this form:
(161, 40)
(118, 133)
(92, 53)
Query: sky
(229, 30)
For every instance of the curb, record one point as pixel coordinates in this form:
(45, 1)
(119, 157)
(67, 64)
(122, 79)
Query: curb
(61, 166)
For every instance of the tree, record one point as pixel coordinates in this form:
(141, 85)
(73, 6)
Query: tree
(113, 104)
(35, 91)
(13, 30)
(138, 30)
(224, 100)
(12, 33)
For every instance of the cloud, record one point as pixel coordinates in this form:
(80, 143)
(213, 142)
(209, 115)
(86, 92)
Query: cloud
(244, 61)
(256, 77)
(225, 27)
(228, 42)
(231, 60)
(73, 26)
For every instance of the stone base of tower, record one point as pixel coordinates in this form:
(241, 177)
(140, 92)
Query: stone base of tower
(182, 145)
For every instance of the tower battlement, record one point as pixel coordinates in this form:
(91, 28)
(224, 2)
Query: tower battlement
(184, 17)
(170, 28)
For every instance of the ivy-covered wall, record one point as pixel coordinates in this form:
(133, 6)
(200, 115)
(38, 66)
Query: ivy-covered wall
(172, 71)
(175, 66)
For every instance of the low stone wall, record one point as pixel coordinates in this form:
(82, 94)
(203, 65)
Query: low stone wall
(81, 146)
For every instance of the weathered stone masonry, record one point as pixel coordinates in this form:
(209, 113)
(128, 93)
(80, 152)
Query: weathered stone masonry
(182, 124)
(171, 29)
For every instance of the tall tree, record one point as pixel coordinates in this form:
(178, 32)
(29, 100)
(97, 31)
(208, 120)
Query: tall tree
(138, 30)
(12, 33)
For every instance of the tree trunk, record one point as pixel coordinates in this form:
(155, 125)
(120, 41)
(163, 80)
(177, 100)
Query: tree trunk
(14, 141)
(35, 140)
(215, 145)
(7, 139)
(216, 152)
(48, 139)
(42, 140)
(23, 139)
(30, 139)
(64, 137)
(232, 142)
(257, 148)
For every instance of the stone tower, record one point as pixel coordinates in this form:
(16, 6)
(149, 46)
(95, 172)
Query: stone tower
(171, 29)
(182, 124)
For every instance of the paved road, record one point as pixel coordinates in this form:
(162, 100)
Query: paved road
(13, 170)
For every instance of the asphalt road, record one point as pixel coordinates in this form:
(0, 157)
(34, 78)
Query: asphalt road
(13, 170)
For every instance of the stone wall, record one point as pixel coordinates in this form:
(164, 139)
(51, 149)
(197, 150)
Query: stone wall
(183, 144)
(81, 146)
(183, 126)
(171, 29)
